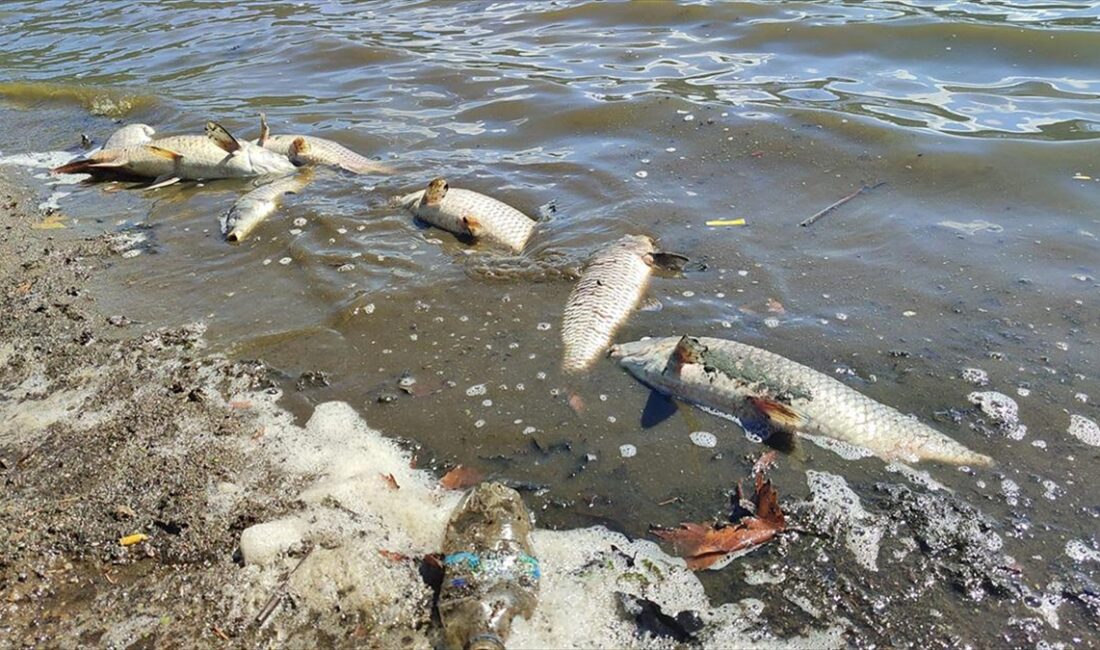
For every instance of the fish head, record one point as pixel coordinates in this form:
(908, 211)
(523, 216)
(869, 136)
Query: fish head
(437, 189)
(653, 361)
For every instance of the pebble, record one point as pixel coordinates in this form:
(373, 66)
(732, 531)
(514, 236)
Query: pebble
(628, 451)
(704, 439)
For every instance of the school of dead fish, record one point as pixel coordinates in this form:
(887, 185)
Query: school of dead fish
(491, 574)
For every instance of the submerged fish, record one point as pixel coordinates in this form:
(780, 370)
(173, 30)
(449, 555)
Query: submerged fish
(470, 214)
(217, 154)
(129, 136)
(746, 381)
(311, 150)
(252, 208)
(612, 284)
(489, 573)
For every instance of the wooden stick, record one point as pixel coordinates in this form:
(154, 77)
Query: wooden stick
(822, 213)
(276, 598)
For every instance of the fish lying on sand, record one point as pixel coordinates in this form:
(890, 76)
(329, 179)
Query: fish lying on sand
(251, 209)
(216, 154)
(489, 573)
(749, 382)
(311, 150)
(470, 214)
(129, 136)
(612, 284)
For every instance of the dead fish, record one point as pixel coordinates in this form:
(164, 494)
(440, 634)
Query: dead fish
(251, 209)
(612, 284)
(746, 381)
(311, 150)
(470, 214)
(217, 154)
(129, 136)
(490, 575)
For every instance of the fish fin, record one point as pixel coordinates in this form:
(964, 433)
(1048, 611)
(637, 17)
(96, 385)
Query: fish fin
(164, 181)
(370, 167)
(265, 132)
(222, 137)
(472, 225)
(658, 408)
(163, 153)
(689, 350)
(81, 166)
(667, 261)
(650, 304)
(778, 413)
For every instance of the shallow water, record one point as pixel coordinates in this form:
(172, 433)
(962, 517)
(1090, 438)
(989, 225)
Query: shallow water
(979, 251)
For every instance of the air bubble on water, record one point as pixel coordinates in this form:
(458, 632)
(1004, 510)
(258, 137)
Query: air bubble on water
(687, 294)
(704, 439)
(841, 316)
(479, 424)
(1052, 491)
(1081, 397)
(1023, 392)
(645, 161)
(414, 337)
(520, 387)
(1079, 551)
(475, 390)
(628, 451)
(670, 149)
(742, 273)
(540, 375)
(463, 319)
(612, 419)
(360, 228)
(284, 261)
(342, 231)
(300, 221)
(908, 313)
(975, 376)
(1062, 345)
(771, 322)
(603, 398)
(344, 268)
(689, 117)
(542, 327)
(720, 295)
(513, 345)
(529, 430)
(641, 173)
(267, 261)
(554, 392)
(1011, 491)
(726, 324)
(486, 402)
(295, 231)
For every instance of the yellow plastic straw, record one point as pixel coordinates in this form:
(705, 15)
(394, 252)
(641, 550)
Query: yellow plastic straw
(726, 222)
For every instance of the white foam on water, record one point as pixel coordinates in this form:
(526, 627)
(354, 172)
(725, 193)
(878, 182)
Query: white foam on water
(1084, 429)
(834, 500)
(1078, 551)
(39, 160)
(845, 450)
(351, 512)
(918, 476)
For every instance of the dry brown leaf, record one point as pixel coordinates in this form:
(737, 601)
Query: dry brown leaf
(460, 478)
(775, 307)
(391, 481)
(701, 545)
(392, 556)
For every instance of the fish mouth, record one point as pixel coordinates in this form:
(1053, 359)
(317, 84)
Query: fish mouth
(640, 347)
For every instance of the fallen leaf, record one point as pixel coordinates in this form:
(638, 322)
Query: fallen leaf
(775, 307)
(460, 478)
(702, 545)
(392, 556)
(391, 481)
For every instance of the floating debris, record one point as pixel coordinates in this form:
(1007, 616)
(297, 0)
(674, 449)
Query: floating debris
(726, 222)
(628, 451)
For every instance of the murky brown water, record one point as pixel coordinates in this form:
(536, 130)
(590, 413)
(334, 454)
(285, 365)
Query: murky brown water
(980, 250)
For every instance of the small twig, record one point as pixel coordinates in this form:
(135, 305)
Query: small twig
(107, 575)
(822, 213)
(277, 597)
(669, 500)
(221, 635)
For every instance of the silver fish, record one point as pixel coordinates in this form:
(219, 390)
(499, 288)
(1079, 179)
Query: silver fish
(217, 154)
(612, 283)
(741, 379)
(470, 214)
(489, 572)
(129, 136)
(252, 208)
(311, 150)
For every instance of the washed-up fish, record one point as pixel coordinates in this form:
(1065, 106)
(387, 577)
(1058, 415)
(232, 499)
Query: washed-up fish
(470, 214)
(489, 573)
(748, 382)
(311, 150)
(252, 208)
(216, 154)
(129, 136)
(612, 284)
